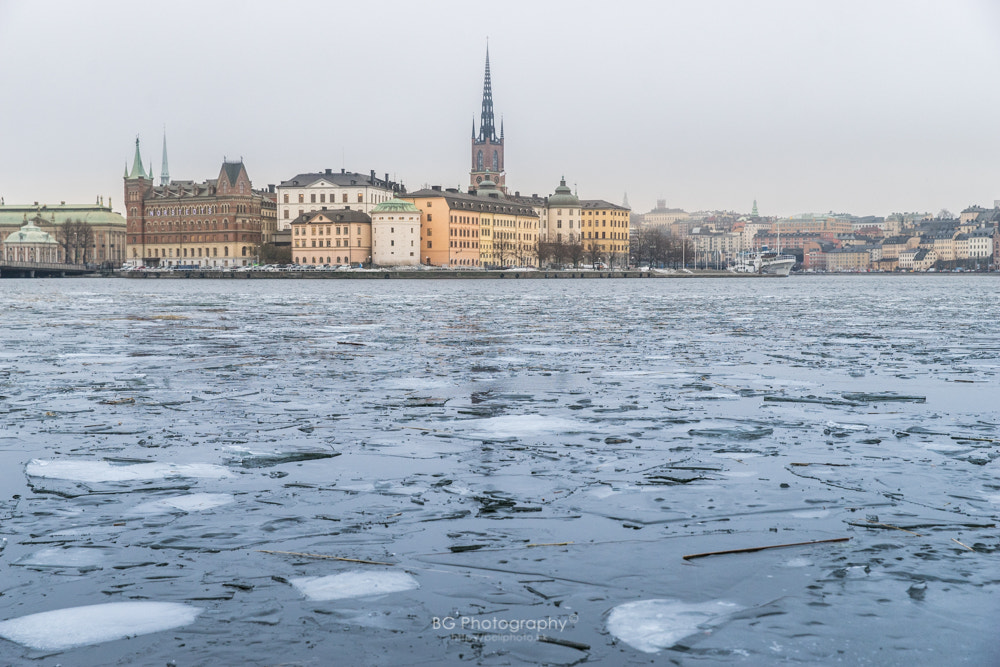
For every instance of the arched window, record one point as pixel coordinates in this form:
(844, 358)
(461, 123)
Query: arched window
(244, 251)
(496, 161)
(479, 161)
(225, 251)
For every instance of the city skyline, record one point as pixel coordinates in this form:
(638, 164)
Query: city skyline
(828, 106)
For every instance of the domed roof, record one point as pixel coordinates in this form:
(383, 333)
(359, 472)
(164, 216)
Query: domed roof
(396, 206)
(488, 188)
(563, 196)
(30, 234)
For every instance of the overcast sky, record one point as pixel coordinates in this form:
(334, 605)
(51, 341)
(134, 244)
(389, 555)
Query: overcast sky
(865, 107)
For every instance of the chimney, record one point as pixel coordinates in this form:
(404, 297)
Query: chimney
(342, 170)
(328, 171)
(387, 178)
(372, 179)
(436, 188)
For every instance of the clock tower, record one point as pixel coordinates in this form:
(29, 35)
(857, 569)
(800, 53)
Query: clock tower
(487, 147)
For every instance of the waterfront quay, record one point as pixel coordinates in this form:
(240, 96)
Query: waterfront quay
(435, 274)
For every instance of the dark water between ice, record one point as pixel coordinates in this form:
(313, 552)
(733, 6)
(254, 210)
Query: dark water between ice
(532, 458)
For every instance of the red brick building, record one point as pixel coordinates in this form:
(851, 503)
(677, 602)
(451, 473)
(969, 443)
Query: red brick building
(213, 224)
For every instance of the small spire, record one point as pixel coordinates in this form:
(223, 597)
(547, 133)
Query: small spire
(164, 171)
(137, 169)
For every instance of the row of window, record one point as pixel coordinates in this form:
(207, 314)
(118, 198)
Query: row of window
(183, 252)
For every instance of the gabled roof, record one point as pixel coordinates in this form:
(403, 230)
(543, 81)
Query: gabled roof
(602, 204)
(457, 200)
(232, 171)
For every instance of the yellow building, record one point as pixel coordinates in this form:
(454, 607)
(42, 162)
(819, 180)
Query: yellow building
(604, 228)
(334, 237)
(482, 230)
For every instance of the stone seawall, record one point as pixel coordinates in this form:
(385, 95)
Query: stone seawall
(436, 274)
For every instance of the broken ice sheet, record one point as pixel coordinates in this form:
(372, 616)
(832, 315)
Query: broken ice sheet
(521, 426)
(652, 625)
(190, 502)
(354, 584)
(105, 471)
(249, 458)
(78, 626)
(73, 557)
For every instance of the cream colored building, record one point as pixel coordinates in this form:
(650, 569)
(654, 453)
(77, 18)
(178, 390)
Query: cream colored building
(108, 227)
(309, 192)
(332, 237)
(562, 219)
(30, 245)
(395, 233)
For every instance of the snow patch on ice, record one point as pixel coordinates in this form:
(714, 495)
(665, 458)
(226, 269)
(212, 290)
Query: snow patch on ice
(105, 471)
(191, 502)
(652, 625)
(354, 584)
(78, 626)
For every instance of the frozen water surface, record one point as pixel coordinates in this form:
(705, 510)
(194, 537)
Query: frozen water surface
(539, 455)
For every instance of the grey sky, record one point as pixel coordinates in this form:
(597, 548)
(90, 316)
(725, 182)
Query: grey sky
(863, 107)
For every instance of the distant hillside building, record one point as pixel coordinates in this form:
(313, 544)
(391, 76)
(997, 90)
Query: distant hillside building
(213, 224)
(332, 190)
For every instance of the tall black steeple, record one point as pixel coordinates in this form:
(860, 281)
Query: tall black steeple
(487, 126)
(487, 147)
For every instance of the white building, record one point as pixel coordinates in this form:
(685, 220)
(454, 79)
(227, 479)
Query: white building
(395, 234)
(332, 190)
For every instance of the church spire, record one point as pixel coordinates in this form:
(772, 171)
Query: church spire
(137, 169)
(754, 211)
(487, 127)
(164, 172)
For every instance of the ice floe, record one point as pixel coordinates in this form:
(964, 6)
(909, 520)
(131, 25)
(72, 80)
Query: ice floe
(249, 458)
(354, 584)
(519, 426)
(190, 502)
(72, 557)
(105, 471)
(78, 626)
(652, 625)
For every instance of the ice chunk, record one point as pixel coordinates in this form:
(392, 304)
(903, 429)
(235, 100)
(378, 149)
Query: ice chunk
(79, 626)
(191, 502)
(105, 471)
(519, 426)
(651, 625)
(73, 557)
(249, 458)
(354, 584)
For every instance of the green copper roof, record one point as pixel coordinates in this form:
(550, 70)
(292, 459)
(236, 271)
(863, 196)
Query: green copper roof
(137, 170)
(396, 206)
(564, 196)
(30, 233)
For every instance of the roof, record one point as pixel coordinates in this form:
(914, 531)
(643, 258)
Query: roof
(340, 179)
(232, 170)
(457, 200)
(94, 214)
(30, 234)
(600, 203)
(563, 196)
(396, 206)
(334, 215)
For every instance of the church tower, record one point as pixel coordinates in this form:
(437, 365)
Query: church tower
(164, 171)
(138, 183)
(487, 147)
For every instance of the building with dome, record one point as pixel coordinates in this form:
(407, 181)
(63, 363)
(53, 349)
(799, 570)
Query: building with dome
(395, 233)
(562, 224)
(31, 245)
(105, 246)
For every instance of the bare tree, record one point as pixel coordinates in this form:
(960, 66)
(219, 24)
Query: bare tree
(76, 238)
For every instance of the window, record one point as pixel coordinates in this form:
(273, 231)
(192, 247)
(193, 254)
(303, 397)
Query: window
(312, 198)
(428, 245)
(302, 198)
(322, 197)
(361, 198)
(430, 218)
(343, 198)
(286, 197)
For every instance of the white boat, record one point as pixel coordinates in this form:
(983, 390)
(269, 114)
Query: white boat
(765, 262)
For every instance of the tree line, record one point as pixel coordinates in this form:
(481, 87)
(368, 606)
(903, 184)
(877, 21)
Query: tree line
(77, 240)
